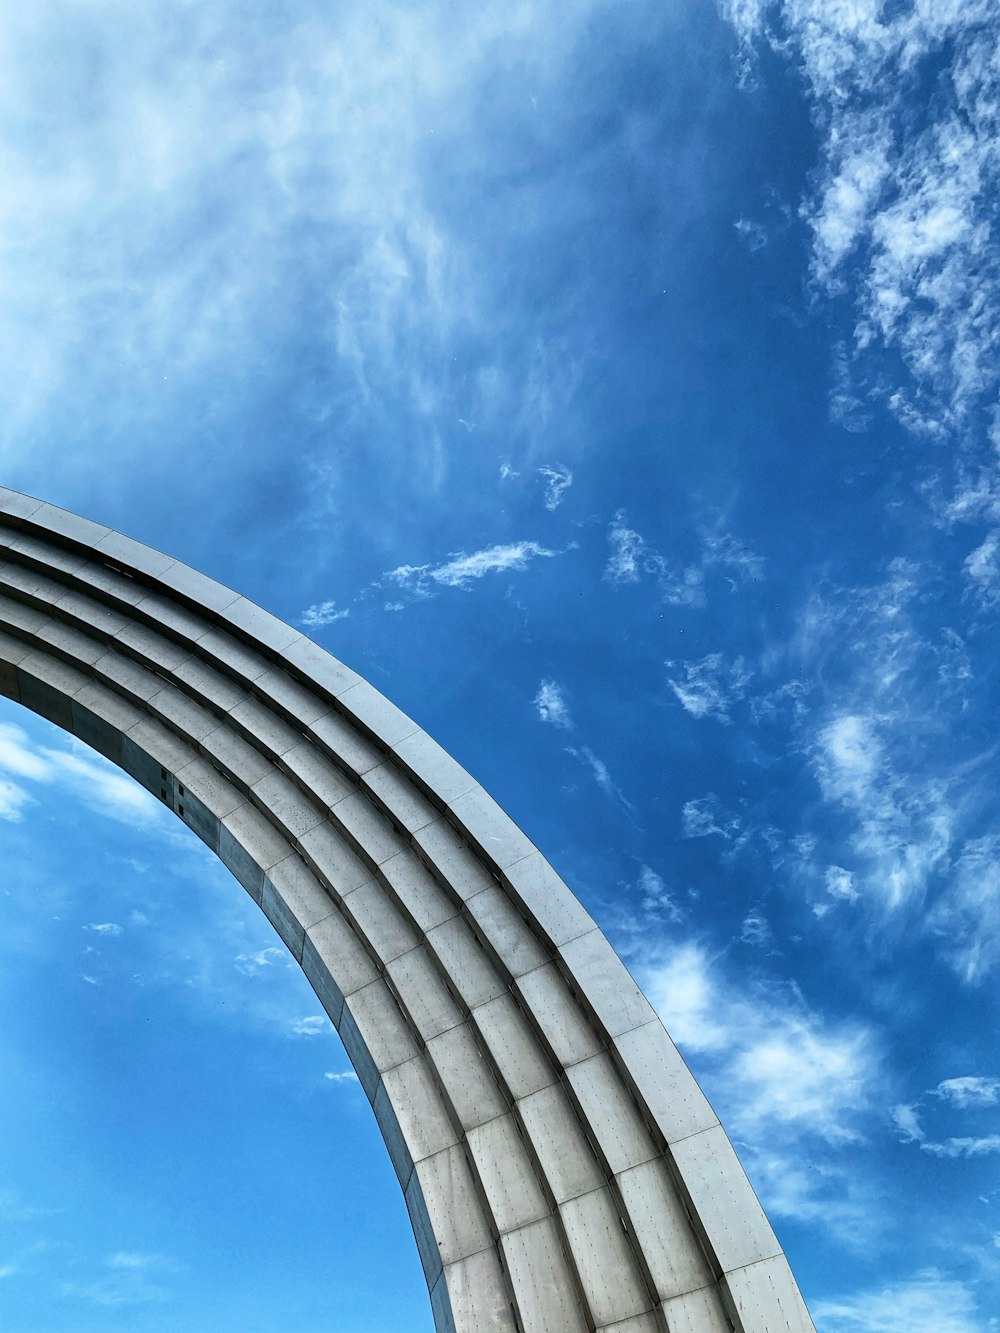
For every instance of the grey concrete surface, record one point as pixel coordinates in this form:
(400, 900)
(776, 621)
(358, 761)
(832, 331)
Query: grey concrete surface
(561, 1167)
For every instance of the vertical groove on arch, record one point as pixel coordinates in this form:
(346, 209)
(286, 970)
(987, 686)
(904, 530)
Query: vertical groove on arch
(561, 1167)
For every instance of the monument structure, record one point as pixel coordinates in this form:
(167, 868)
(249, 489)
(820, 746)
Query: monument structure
(562, 1169)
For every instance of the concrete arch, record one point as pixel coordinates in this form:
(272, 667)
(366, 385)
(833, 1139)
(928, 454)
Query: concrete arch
(561, 1167)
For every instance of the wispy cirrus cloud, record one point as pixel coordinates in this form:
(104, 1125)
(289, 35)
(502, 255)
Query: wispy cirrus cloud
(928, 1302)
(708, 688)
(632, 558)
(463, 569)
(550, 704)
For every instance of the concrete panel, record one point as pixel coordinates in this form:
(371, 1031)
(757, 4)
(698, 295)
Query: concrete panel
(513, 1046)
(17, 505)
(642, 1323)
(19, 616)
(127, 676)
(453, 1205)
(47, 686)
(86, 612)
(392, 1135)
(565, 1028)
(236, 756)
(377, 717)
(203, 798)
(547, 1297)
(602, 979)
(75, 645)
(546, 899)
(470, 1083)
(340, 738)
(435, 772)
(259, 624)
(332, 859)
(515, 945)
(653, 1069)
(380, 1026)
(767, 1299)
(423, 1231)
(663, 1230)
(447, 853)
(569, 1166)
(381, 923)
(149, 749)
(320, 667)
(286, 694)
(153, 648)
(369, 832)
(723, 1201)
(464, 960)
(392, 792)
(698, 1312)
(182, 714)
(611, 1114)
(507, 1174)
(261, 725)
(313, 770)
(250, 845)
(471, 1296)
(418, 892)
(71, 526)
(171, 618)
(430, 1005)
(100, 720)
(196, 587)
(421, 1110)
(335, 962)
(134, 554)
(612, 1281)
(209, 684)
(293, 900)
(286, 804)
(488, 828)
(241, 660)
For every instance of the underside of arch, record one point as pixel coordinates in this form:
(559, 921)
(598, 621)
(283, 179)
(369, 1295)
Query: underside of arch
(561, 1167)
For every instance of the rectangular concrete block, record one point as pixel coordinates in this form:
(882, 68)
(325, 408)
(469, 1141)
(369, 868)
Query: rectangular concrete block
(250, 845)
(47, 688)
(237, 657)
(393, 792)
(134, 554)
(86, 613)
(260, 624)
(514, 944)
(375, 915)
(641, 1323)
(300, 704)
(312, 769)
(766, 1297)
(15, 505)
(380, 1026)
(547, 1295)
(417, 891)
(471, 1296)
(666, 1237)
(319, 667)
(698, 1312)
(513, 1046)
(286, 804)
(563, 1024)
(653, 1068)
(423, 993)
(170, 618)
(151, 647)
(422, 1112)
(96, 732)
(149, 751)
(466, 962)
(126, 675)
(392, 1135)
(465, 1073)
(260, 725)
(560, 1143)
(370, 832)
(507, 1174)
(15, 615)
(336, 962)
(489, 828)
(203, 798)
(722, 1200)
(615, 1123)
(73, 527)
(345, 743)
(377, 717)
(453, 1205)
(174, 708)
(432, 768)
(219, 691)
(612, 1280)
(293, 900)
(195, 586)
(450, 857)
(242, 761)
(423, 1231)
(546, 900)
(604, 982)
(333, 859)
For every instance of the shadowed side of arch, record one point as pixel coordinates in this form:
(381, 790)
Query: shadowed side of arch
(561, 1167)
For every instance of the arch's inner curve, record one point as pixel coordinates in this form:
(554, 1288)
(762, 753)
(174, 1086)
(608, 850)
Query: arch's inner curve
(561, 1167)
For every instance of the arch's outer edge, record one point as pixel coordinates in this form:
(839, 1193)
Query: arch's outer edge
(562, 1169)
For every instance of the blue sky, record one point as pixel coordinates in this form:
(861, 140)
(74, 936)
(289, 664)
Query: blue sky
(616, 387)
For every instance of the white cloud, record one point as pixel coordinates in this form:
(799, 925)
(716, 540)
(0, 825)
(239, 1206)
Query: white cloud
(322, 613)
(558, 480)
(655, 896)
(969, 1091)
(964, 1147)
(755, 929)
(253, 963)
(709, 687)
(13, 800)
(312, 1026)
(926, 1303)
(983, 567)
(840, 884)
(344, 1076)
(721, 554)
(461, 570)
(706, 815)
(108, 928)
(907, 1120)
(967, 916)
(551, 705)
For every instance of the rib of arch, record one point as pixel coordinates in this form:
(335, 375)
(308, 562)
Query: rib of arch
(561, 1167)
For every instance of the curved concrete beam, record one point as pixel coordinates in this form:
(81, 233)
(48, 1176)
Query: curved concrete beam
(561, 1167)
